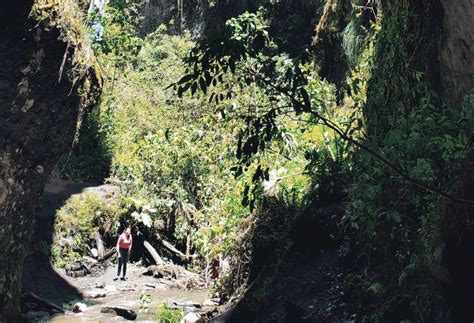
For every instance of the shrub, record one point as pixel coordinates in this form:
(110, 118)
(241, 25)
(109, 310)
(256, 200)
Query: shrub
(77, 223)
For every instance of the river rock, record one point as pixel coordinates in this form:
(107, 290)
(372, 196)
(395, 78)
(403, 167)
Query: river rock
(192, 318)
(94, 252)
(118, 311)
(95, 293)
(110, 288)
(75, 266)
(209, 302)
(76, 273)
(100, 285)
(79, 307)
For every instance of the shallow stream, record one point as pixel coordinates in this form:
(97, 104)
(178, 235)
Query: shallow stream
(131, 300)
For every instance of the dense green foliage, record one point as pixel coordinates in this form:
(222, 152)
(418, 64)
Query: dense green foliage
(78, 222)
(175, 154)
(395, 219)
(228, 143)
(394, 210)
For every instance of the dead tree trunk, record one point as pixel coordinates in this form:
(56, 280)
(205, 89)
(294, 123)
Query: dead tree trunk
(100, 245)
(153, 253)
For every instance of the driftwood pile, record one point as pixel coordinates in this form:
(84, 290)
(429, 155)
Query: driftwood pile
(175, 276)
(90, 265)
(172, 275)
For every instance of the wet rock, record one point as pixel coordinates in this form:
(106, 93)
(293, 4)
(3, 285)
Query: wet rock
(79, 307)
(110, 288)
(192, 317)
(76, 273)
(118, 311)
(95, 293)
(100, 285)
(209, 302)
(94, 252)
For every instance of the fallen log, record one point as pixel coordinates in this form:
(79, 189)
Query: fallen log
(153, 253)
(173, 249)
(108, 254)
(42, 302)
(175, 276)
(100, 245)
(178, 253)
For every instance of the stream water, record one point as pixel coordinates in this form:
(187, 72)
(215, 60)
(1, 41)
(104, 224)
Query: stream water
(131, 300)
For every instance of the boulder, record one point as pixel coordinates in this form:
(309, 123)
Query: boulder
(118, 311)
(192, 317)
(79, 307)
(95, 293)
(95, 253)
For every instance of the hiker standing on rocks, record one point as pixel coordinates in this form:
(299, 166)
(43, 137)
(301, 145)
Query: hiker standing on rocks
(124, 245)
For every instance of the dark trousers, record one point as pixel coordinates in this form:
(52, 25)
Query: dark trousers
(122, 262)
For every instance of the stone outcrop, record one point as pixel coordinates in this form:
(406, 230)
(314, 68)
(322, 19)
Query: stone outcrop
(200, 17)
(457, 50)
(41, 100)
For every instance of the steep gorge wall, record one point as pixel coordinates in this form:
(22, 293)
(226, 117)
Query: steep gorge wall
(205, 17)
(197, 16)
(456, 59)
(41, 100)
(457, 50)
(435, 38)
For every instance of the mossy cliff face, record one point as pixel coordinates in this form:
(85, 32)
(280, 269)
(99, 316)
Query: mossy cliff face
(442, 44)
(205, 17)
(327, 41)
(42, 98)
(201, 17)
(457, 50)
(434, 38)
(420, 48)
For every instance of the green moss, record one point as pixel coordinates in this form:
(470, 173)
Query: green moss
(68, 16)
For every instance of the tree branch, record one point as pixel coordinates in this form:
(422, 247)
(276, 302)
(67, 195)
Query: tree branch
(330, 124)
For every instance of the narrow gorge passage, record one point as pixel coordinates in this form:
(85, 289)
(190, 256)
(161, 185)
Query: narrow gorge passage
(273, 161)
